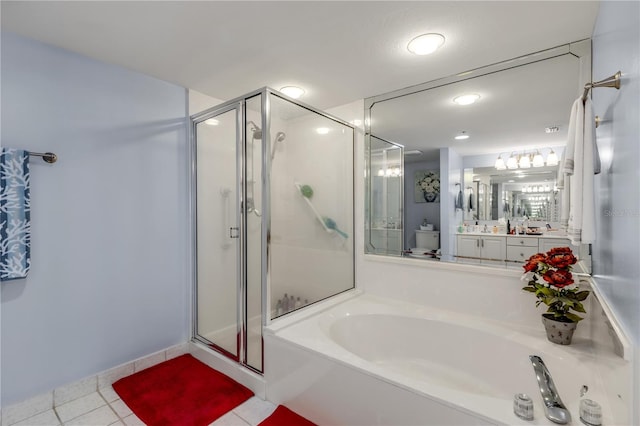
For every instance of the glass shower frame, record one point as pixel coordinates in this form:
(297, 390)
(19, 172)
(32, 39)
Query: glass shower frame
(240, 106)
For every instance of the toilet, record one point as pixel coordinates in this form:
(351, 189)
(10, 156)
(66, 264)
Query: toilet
(428, 240)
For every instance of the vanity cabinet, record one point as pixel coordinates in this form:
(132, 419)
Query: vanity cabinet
(515, 249)
(546, 244)
(520, 249)
(481, 249)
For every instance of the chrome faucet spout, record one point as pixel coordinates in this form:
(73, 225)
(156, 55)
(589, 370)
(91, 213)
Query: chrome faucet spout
(554, 409)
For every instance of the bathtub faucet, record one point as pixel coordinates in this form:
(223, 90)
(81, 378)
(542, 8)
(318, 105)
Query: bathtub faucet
(554, 409)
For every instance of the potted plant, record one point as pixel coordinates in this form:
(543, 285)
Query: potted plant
(549, 278)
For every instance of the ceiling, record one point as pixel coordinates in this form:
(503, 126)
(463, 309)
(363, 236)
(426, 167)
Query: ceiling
(338, 51)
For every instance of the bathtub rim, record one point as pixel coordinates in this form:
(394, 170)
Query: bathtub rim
(395, 379)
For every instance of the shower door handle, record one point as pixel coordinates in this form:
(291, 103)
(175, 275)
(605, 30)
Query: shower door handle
(234, 232)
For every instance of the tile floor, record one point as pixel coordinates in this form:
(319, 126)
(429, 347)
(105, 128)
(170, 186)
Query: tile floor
(105, 408)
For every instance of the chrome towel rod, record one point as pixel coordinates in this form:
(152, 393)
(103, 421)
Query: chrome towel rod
(49, 157)
(613, 81)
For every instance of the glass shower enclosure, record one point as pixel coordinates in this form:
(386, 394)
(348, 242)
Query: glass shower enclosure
(272, 212)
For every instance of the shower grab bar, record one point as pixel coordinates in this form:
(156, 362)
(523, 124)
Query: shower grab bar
(313, 208)
(226, 221)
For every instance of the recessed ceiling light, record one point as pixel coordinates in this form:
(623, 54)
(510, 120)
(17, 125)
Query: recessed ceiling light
(462, 136)
(425, 44)
(466, 99)
(212, 122)
(292, 91)
(511, 181)
(322, 130)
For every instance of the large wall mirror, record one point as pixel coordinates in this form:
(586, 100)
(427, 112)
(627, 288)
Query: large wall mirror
(476, 158)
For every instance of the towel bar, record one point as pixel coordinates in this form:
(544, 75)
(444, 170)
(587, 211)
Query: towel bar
(49, 157)
(612, 81)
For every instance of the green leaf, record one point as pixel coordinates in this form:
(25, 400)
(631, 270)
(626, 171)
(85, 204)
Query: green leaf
(578, 307)
(566, 301)
(582, 295)
(530, 289)
(573, 317)
(546, 291)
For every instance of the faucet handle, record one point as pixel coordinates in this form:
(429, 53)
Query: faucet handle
(590, 412)
(523, 406)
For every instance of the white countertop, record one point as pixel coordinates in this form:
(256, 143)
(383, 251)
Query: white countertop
(543, 235)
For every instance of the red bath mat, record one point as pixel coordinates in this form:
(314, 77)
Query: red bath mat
(285, 417)
(182, 391)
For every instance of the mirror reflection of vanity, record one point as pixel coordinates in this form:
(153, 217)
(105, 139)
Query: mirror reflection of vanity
(494, 162)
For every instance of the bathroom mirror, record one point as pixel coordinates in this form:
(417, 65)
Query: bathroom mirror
(386, 196)
(512, 194)
(475, 166)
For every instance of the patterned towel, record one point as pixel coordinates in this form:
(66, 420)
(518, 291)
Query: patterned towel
(15, 214)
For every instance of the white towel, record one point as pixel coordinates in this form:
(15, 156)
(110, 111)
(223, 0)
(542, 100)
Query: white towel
(579, 164)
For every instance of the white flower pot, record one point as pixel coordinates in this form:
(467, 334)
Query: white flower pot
(557, 331)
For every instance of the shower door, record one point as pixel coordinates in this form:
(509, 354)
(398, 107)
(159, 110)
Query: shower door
(218, 238)
(227, 179)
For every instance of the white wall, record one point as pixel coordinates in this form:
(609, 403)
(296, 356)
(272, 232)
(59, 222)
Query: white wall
(616, 262)
(108, 281)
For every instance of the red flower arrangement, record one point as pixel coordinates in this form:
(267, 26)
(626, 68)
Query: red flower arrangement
(549, 278)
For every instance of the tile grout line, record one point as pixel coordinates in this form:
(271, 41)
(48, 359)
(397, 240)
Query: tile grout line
(110, 407)
(56, 414)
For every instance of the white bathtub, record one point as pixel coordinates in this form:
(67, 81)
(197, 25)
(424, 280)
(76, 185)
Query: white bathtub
(464, 370)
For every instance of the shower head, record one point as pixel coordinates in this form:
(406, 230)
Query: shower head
(280, 136)
(257, 131)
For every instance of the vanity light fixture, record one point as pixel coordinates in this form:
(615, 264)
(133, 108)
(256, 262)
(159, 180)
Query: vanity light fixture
(538, 161)
(466, 99)
(390, 172)
(462, 136)
(526, 160)
(294, 92)
(212, 122)
(425, 44)
(322, 130)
